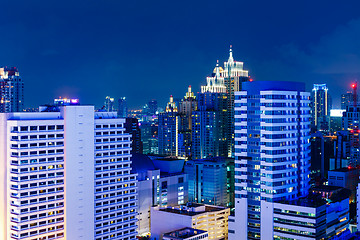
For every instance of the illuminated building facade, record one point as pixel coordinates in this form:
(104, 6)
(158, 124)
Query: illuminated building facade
(169, 130)
(69, 176)
(321, 106)
(109, 104)
(272, 153)
(213, 219)
(122, 107)
(350, 123)
(11, 90)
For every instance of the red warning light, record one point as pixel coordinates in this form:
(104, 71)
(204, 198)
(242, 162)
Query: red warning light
(353, 85)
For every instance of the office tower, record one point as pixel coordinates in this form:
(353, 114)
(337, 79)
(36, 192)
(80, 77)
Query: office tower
(68, 176)
(213, 219)
(162, 183)
(336, 120)
(317, 155)
(169, 129)
(311, 218)
(11, 90)
(132, 127)
(321, 105)
(186, 107)
(109, 104)
(153, 106)
(205, 137)
(122, 107)
(207, 181)
(149, 137)
(350, 123)
(272, 153)
(341, 151)
(347, 99)
(234, 76)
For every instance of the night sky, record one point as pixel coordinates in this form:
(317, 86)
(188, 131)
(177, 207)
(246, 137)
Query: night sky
(151, 49)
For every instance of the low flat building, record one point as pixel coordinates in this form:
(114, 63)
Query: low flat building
(345, 177)
(186, 234)
(213, 219)
(160, 183)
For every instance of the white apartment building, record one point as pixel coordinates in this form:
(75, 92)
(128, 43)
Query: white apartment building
(66, 175)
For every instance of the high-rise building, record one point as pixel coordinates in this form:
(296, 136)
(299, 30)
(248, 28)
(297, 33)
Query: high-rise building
(207, 180)
(272, 153)
(132, 127)
(347, 99)
(234, 76)
(186, 107)
(11, 90)
(321, 106)
(122, 107)
(350, 123)
(153, 107)
(68, 176)
(149, 137)
(169, 129)
(109, 104)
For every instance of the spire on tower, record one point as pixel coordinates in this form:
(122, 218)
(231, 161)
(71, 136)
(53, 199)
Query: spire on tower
(217, 69)
(231, 59)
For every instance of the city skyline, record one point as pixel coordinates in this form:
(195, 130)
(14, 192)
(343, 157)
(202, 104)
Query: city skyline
(96, 50)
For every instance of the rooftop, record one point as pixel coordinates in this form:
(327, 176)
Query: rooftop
(192, 209)
(184, 233)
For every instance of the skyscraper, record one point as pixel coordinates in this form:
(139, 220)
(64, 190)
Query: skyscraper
(186, 107)
(109, 104)
(68, 176)
(153, 106)
(347, 99)
(321, 106)
(234, 76)
(11, 90)
(169, 129)
(132, 127)
(272, 153)
(122, 107)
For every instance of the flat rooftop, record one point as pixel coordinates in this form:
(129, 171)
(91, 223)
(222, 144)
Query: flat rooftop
(192, 209)
(184, 233)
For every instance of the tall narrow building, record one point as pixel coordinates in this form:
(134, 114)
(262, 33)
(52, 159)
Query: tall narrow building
(234, 76)
(11, 90)
(122, 107)
(109, 104)
(169, 130)
(272, 153)
(65, 174)
(321, 106)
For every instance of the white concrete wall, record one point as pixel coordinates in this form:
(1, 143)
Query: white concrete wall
(79, 172)
(163, 222)
(3, 177)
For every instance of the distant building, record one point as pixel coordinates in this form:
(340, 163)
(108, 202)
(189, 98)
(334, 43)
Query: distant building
(336, 120)
(347, 99)
(149, 137)
(350, 123)
(109, 104)
(186, 107)
(11, 90)
(186, 234)
(169, 130)
(161, 182)
(153, 107)
(212, 219)
(207, 181)
(122, 107)
(132, 127)
(342, 149)
(321, 105)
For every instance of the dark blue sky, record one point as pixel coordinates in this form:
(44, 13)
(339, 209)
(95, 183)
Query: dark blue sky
(150, 49)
